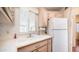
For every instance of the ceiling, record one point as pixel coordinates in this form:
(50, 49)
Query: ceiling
(55, 8)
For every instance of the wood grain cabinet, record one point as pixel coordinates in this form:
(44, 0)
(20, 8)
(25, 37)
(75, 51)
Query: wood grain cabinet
(50, 45)
(43, 17)
(77, 18)
(43, 49)
(42, 46)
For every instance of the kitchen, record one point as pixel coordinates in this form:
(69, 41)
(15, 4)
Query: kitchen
(39, 29)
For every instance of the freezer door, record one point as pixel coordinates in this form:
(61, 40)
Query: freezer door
(60, 23)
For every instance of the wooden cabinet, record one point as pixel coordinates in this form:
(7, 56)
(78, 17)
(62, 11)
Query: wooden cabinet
(6, 15)
(43, 49)
(42, 46)
(35, 50)
(43, 17)
(50, 45)
(77, 18)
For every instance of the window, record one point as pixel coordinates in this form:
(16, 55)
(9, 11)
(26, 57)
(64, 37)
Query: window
(28, 20)
(24, 17)
(32, 21)
(36, 22)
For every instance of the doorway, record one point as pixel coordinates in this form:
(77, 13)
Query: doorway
(76, 48)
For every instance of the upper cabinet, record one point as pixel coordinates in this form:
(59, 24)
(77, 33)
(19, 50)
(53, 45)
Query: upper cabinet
(6, 15)
(77, 18)
(43, 17)
(55, 14)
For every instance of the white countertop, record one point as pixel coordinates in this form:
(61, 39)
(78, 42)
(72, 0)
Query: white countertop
(20, 42)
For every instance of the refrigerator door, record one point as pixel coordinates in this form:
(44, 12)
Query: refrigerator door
(60, 41)
(58, 29)
(60, 23)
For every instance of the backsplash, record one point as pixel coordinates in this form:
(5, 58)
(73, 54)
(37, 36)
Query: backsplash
(7, 43)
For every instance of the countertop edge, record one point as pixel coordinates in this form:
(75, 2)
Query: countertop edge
(33, 42)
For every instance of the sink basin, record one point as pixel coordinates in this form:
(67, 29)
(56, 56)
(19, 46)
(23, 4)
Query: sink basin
(32, 38)
(35, 35)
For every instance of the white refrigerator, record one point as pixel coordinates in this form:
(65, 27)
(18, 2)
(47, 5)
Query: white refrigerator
(58, 29)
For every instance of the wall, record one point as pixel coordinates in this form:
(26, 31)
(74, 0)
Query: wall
(70, 13)
(7, 41)
(35, 10)
(67, 14)
(57, 14)
(75, 12)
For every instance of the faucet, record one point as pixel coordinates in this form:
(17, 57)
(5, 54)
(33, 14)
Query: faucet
(30, 35)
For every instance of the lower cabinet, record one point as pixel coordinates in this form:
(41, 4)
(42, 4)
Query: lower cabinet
(43, 49)
(50, 46)
(42, 46)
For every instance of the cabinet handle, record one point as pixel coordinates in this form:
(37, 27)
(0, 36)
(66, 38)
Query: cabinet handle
(37, 46)
(37, 50)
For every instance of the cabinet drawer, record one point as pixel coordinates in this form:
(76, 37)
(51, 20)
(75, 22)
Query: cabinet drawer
(43, 49)
(42, 43)
(35, 50)
(27, 48)
(32, 47)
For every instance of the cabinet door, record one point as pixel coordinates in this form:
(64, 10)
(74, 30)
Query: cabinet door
(29, 48)
(50, 45)
(35, 51)
(42, 17)
(33, 47)
(77, 19)
(43, 49)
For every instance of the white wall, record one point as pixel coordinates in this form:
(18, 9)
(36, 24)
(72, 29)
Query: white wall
(7, 41)
(7, 46)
